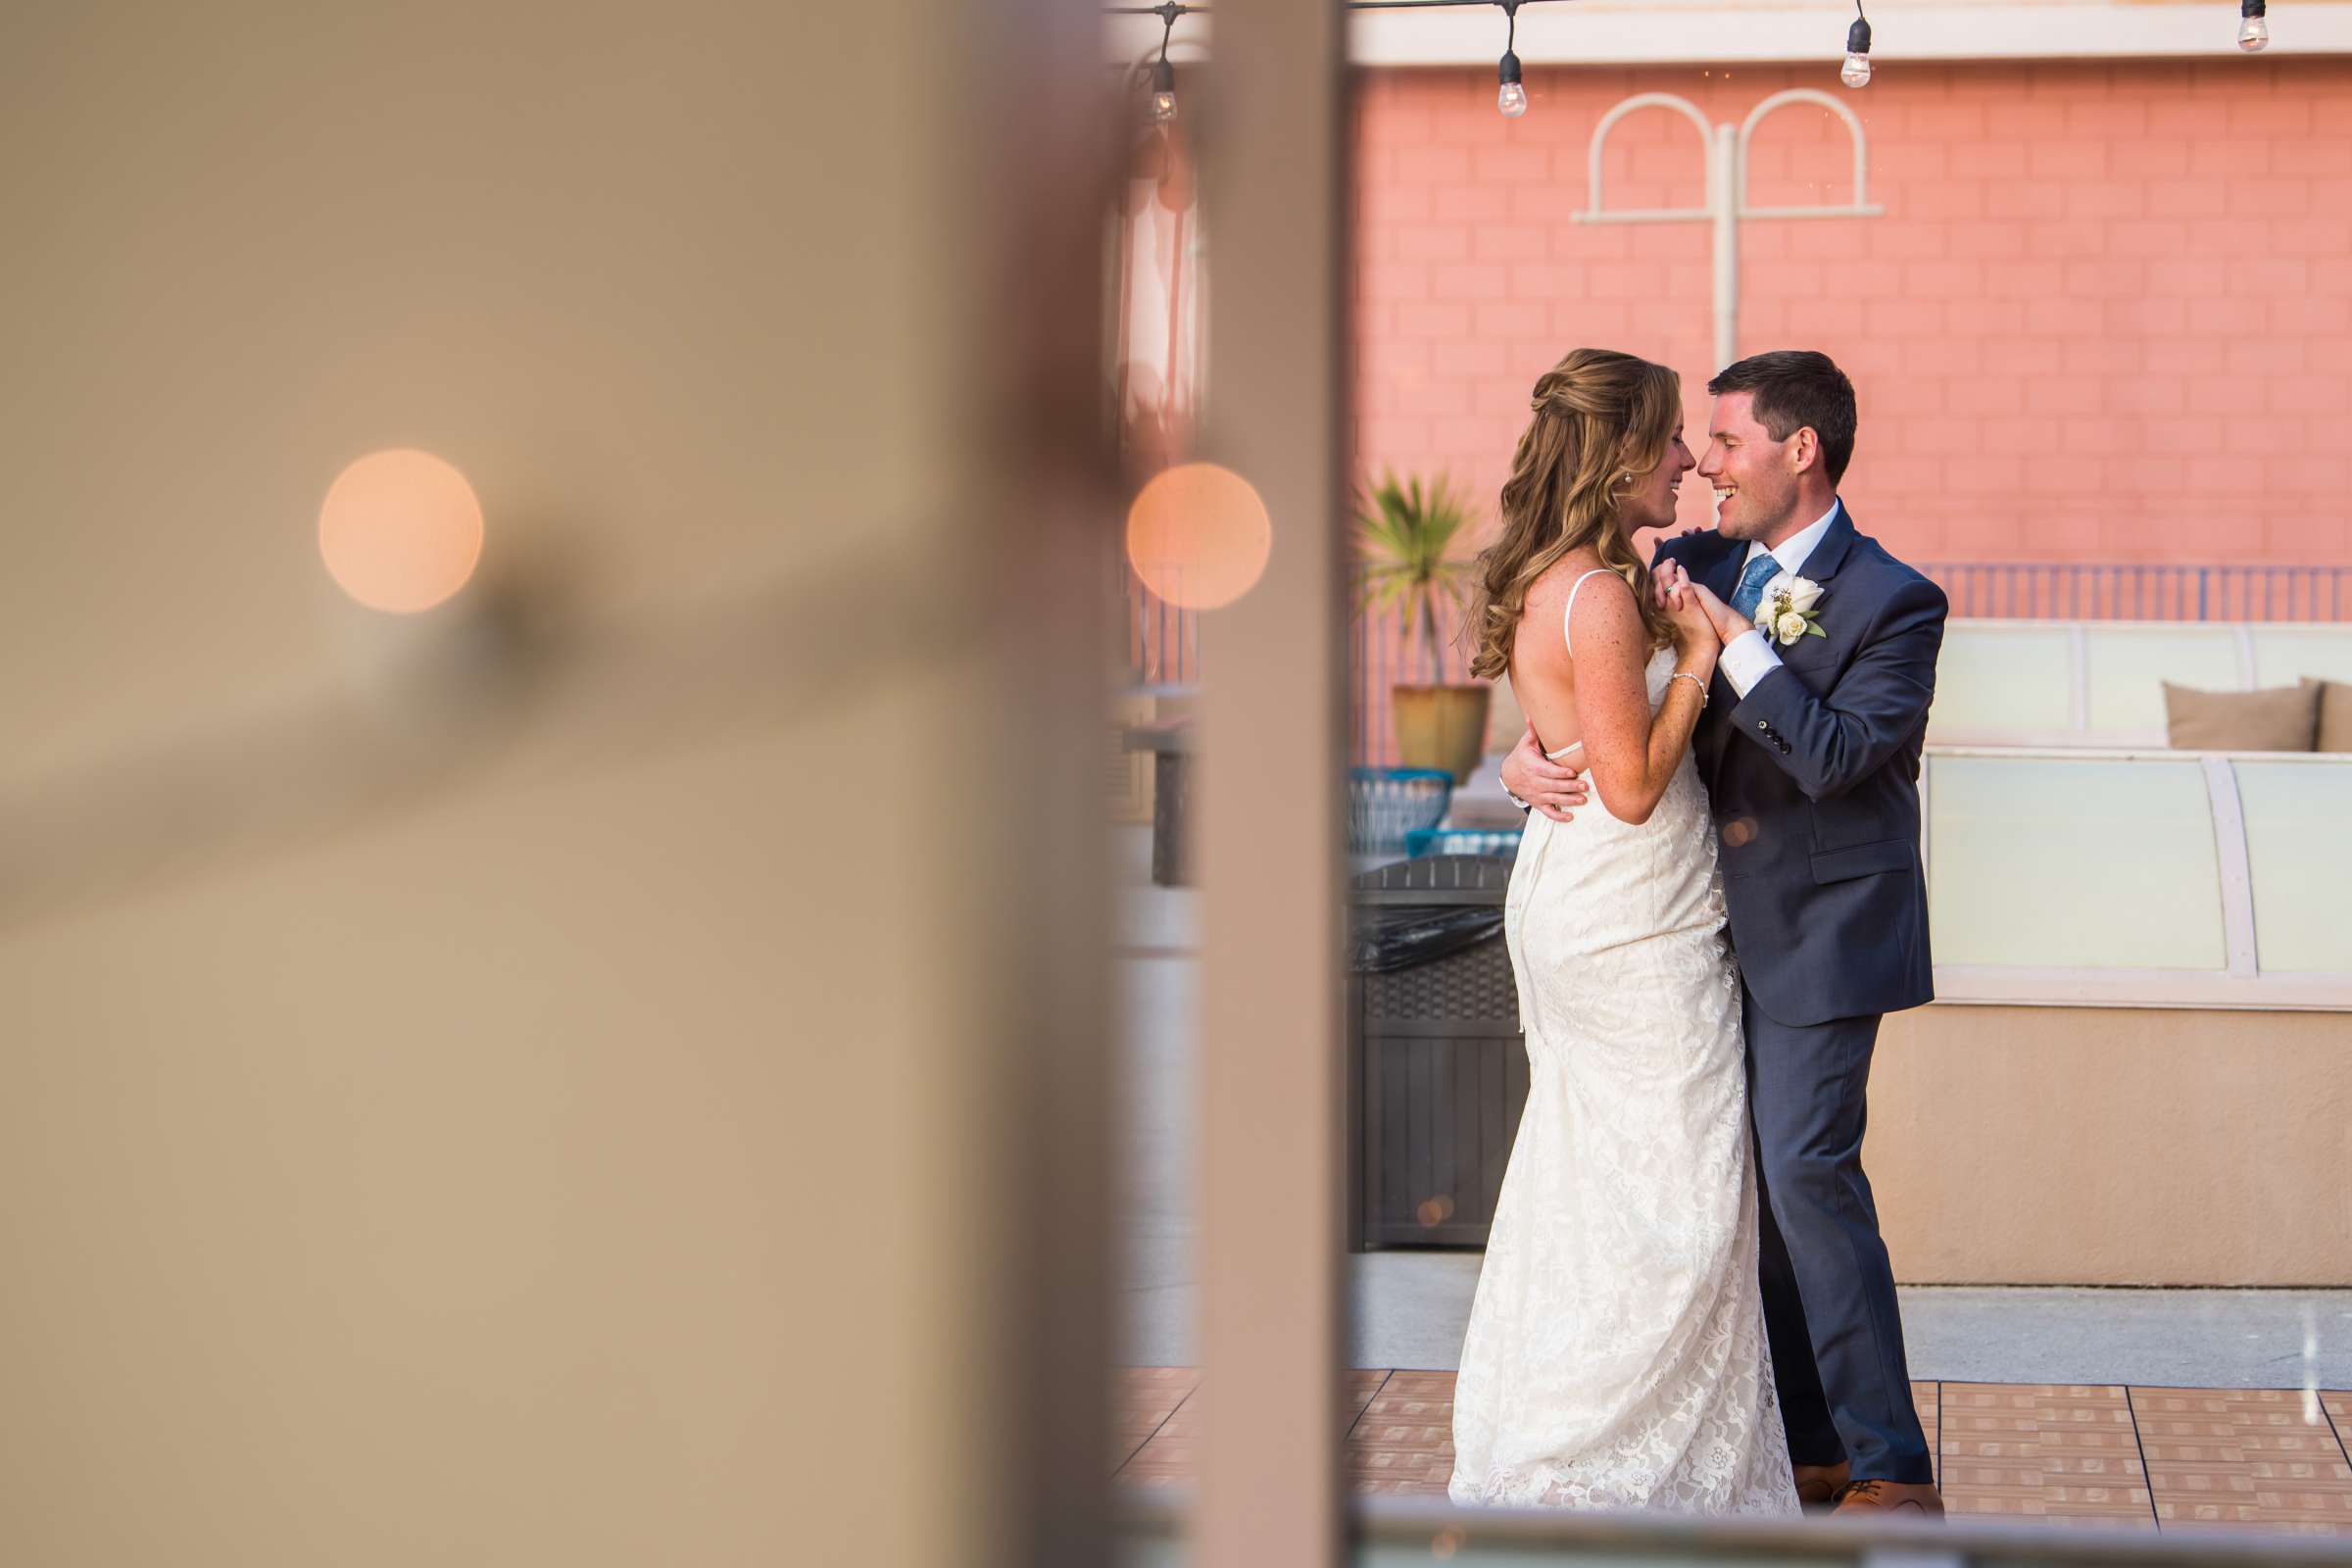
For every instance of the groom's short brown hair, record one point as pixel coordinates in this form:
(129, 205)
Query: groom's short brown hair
(1796, 388)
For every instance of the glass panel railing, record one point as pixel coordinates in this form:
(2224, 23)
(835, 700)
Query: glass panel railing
(2299, 852)
(1993, 680)
(2285, 655)
(2128, 668)
(2047, 862)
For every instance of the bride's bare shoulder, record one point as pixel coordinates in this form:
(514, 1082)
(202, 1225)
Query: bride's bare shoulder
(1551, 590)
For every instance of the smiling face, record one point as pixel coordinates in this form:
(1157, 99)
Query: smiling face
(1649, 500)
(1755, 477)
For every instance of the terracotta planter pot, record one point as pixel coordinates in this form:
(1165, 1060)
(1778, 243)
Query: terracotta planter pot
(1441, 726)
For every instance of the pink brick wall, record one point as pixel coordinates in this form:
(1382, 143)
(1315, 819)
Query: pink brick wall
(2107, 315)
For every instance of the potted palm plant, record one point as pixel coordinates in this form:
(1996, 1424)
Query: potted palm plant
(1413, 565)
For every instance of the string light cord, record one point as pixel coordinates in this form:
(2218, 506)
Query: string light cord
(1510, 97)
(2253, 35)
(1346, 5)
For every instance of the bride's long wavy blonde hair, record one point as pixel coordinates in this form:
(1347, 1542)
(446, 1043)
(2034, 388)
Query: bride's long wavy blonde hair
(1601, 423)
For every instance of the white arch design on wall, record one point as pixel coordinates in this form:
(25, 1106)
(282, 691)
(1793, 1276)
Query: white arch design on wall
(1593, 210)
(1860, 205)
(1726, 197)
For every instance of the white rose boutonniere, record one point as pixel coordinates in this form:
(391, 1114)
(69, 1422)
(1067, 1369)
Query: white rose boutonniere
(1785, 613)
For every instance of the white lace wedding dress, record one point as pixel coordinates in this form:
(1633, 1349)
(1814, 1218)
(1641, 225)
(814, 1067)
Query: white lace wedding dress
(1616, 1354)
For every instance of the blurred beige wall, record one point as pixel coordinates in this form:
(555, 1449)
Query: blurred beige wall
(2023, 1145)
(584, 1144)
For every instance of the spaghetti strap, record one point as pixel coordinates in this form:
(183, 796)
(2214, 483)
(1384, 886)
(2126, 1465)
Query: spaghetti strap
(1573, 589)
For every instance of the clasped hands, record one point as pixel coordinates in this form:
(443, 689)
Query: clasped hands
(1702, 623)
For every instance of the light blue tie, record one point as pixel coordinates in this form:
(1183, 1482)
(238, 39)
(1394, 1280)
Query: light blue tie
(1751, 592)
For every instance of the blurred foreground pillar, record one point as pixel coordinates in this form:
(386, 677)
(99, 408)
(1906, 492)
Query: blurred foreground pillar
(1269, 848)
(603, 1072)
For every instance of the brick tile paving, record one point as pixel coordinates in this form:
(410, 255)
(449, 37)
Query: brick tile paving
(2101, 1456)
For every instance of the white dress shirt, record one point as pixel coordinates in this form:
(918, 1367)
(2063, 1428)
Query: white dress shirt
(1750, 656)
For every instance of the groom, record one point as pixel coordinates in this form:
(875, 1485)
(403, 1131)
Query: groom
(1810, 750)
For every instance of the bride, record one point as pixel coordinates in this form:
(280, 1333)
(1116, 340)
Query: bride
(1616, 1354)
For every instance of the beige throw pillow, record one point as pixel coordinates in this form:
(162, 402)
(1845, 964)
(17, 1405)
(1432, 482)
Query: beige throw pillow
(2275, 718)
(2336, 715)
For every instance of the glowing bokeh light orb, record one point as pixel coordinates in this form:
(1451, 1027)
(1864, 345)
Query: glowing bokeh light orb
(400, 530)
(1198, 536)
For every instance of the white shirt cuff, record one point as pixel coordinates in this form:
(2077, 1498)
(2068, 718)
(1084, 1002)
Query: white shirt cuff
(1747, 659)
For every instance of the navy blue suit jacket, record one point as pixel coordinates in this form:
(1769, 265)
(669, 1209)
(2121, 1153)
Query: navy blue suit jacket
(1814, 782)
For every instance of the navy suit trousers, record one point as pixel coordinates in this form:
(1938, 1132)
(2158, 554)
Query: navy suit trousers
(1829, 1292)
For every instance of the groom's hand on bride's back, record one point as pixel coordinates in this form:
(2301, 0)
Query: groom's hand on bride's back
(1539, 783)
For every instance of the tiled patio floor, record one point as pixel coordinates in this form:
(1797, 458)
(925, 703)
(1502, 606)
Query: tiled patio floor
(2115, 1457)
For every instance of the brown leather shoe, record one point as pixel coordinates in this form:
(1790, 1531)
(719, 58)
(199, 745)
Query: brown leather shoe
(1817, 1484)
(1890, 1496)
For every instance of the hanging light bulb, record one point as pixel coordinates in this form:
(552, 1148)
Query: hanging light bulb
(1163, 74)
(1511, 98)
(2254, 32)
(1856, 71)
